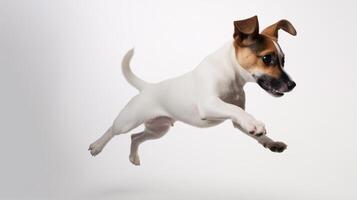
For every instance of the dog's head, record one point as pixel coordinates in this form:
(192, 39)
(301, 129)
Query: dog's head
(261, 55)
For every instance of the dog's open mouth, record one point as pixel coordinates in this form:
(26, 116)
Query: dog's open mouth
(275, 93)
(269, 89)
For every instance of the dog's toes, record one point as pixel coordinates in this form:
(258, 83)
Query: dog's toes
(95, 149)
(258, 131)
(259, 134)
(254, 127)
(95, 152)
(134, 159)
(253, 131)
(277, 147)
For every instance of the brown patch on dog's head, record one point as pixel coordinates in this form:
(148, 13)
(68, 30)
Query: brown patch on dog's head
(250, 57)
(260, 54)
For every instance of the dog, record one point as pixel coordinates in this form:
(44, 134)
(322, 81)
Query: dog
(209, 94)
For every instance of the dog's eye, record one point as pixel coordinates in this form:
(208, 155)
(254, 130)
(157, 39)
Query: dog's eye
(268, 59)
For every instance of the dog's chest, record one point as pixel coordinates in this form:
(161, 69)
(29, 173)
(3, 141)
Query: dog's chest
(233, 93)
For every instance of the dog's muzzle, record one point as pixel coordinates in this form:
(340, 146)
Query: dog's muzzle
(276, 86)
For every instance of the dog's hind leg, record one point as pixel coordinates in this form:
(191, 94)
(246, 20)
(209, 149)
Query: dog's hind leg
(154, 129)
(130, 117)
(97, 146)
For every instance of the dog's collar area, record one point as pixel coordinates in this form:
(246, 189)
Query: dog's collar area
(242, 75)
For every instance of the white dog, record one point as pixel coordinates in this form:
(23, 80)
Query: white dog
(211, 93)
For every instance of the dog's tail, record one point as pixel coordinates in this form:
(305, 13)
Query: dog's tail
(128, 74)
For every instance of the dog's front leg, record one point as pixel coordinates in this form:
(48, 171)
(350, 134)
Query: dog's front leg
(264, 140)
(274, 146)
(216, 109)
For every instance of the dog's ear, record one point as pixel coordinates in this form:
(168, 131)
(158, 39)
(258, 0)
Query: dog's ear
(284, 24)
(246, 30)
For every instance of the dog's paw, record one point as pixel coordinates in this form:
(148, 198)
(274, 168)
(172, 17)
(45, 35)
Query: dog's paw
(95, 148)
(134, 159)
(252, 126)
(277, 147)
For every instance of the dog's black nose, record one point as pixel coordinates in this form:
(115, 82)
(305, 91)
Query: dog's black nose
(291, 85)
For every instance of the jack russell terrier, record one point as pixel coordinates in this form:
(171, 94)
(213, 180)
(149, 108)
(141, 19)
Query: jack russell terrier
(211, 93)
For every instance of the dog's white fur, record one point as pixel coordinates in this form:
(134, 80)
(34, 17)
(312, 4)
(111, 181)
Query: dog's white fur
(204, 97)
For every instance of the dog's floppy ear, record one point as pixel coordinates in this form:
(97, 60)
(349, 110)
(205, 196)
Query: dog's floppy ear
(284, 24)
(246, 30)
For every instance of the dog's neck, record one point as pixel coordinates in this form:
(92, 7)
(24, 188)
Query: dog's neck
(224, 70)
(242, 76)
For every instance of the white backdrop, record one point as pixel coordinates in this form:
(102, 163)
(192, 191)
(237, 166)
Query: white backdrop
(61, 87)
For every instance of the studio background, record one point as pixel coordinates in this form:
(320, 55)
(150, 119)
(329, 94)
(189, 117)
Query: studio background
(61, 88)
